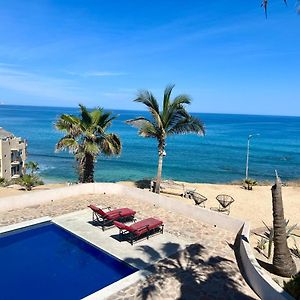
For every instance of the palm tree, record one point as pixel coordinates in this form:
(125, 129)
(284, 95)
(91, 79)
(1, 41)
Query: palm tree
(32, 166)
(86, 137)
(283, 263)
(173, 119)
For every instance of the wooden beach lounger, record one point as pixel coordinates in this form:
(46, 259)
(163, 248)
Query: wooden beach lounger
(107, 218)
(142, 228)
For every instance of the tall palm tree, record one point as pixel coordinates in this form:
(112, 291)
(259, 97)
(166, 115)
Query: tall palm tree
(172, 119)
(86, 137)
(283, 263)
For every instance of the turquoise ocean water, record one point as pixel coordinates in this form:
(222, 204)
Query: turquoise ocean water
(218, 157)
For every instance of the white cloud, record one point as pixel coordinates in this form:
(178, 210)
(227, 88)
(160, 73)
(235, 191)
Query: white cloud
(37, 85)
(96, 74)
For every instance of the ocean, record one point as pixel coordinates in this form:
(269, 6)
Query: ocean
(218, 157)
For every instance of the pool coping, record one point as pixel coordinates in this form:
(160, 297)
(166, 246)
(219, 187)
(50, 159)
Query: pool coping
(24, 224)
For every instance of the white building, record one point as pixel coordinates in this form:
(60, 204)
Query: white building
(12, 155)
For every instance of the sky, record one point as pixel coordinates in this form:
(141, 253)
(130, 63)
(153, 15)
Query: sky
(225, 54)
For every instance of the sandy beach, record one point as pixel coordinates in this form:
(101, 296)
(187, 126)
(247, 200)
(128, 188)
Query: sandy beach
(253, 206)
(12, 191)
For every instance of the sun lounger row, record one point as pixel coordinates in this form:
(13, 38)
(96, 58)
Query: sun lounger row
(118, 217)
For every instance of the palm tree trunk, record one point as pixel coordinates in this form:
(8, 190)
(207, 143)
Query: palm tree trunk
(89, 168)
(283, 264)
(86, 169)
(161, 153)
(159, 171)
(80, 169)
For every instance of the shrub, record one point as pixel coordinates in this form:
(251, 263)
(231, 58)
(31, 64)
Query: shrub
(250, 183)
(29, 181)
(3, 182)
(293, 286)
(268, 236)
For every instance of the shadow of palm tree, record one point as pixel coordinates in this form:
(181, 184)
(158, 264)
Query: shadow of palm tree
(191, 273)
(143, 183)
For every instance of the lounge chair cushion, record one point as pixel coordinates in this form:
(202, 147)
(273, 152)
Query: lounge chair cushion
(113, 214)
(140, 227)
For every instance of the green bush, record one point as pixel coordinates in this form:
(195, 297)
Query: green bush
(29, 181)
(293, 286)
(250, 183)
(3, 182)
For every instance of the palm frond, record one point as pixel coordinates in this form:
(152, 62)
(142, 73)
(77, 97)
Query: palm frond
(148, 130)
(188, 125)
(176, 110)
(67, 142)
(91, 148)
(106, 120)
(181, 99)
(86, 118)
(146, 127)
(111, 144)
(138, 122)
(167, 95)
(96, 115)
(66, 122)
(148, 99)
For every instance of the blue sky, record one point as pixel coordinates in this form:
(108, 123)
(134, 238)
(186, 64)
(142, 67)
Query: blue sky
(224, 54)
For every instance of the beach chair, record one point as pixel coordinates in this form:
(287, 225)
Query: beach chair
(142, 228)
(198, 198)
(224, 203)
(169, 187)
(107, 218)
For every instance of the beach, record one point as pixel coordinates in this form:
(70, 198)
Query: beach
(253, 206)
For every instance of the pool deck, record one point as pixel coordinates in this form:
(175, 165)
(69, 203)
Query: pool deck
(191, 260)
(79, 223)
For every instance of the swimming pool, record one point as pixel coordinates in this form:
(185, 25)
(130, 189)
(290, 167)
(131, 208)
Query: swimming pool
(47, 262)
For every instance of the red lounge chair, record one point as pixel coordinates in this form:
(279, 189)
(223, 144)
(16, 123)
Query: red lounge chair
(107, 218)
(138, 229)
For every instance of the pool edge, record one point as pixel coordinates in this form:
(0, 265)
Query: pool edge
(13, 227)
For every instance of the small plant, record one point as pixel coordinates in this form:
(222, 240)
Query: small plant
(3, 182)
(268, 237)
(296, 249)
(293, 286)
(29, 181)
(250, 183)
(261, 244)
(32, 166)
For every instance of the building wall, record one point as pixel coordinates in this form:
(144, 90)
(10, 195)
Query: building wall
(12, 155)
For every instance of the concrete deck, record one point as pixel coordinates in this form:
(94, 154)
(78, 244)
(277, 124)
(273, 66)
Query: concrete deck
(79, 224)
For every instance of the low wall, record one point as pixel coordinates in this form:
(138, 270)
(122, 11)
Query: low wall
(40, 197)
(258, 279)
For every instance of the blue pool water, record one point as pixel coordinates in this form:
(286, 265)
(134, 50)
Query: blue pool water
(47, 262)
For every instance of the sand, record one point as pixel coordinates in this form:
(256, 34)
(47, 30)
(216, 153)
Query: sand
(18, 190)
(253, 206)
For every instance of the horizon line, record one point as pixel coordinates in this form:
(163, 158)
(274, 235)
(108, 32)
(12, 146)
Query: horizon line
(140, 110)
